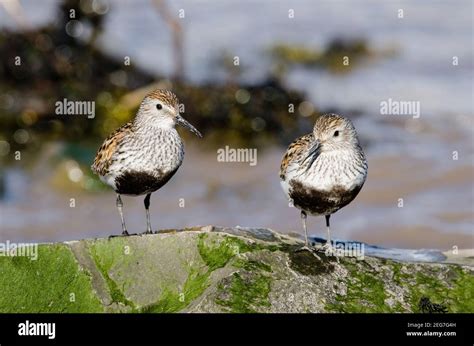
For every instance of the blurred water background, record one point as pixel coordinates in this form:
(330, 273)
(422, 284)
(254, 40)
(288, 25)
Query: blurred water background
(408, 158)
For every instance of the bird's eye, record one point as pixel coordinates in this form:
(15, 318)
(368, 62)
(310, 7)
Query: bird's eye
(336, 133)
(159, 106)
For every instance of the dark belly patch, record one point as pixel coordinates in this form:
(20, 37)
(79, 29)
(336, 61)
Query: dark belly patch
(140, 183)
(321, 202)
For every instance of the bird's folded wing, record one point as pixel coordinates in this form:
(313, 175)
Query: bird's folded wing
(294, 152)
(103, 158)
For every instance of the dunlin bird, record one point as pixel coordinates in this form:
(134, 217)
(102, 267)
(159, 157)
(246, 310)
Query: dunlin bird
(142, 155)
(324, 171)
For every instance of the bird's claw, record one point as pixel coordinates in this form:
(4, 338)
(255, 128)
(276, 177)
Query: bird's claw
(312, 250)
(124, 234)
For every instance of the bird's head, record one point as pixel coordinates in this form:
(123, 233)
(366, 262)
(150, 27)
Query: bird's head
(334, 132)
(160, 109)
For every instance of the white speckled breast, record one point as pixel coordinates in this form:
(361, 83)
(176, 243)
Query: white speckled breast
(156, 153)
(332, 181)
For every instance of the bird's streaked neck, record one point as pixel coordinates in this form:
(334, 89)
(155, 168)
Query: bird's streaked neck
(339, 147)
(148, 122)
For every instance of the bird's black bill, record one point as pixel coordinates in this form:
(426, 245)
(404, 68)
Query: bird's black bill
(313, 154)
(184, 123)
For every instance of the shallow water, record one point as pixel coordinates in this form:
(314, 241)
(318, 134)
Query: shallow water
(408, 158)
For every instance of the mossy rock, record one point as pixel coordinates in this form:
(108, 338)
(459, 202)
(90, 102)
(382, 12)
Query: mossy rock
(212, 269)
(55, 282)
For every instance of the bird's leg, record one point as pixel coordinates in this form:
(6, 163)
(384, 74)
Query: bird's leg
(329, 249)
(147, 208)
(119, 204)
(328, 241)
(306, 247)
(303, 219)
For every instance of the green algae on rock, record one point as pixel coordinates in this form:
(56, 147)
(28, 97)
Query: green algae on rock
(213, 269)
(55, 282)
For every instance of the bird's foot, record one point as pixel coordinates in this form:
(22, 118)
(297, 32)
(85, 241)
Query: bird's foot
(148, 231)
(310, 249)
(124, 234)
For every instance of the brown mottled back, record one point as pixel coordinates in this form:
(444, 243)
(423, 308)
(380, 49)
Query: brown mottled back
(294, 151)
(103, 159)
